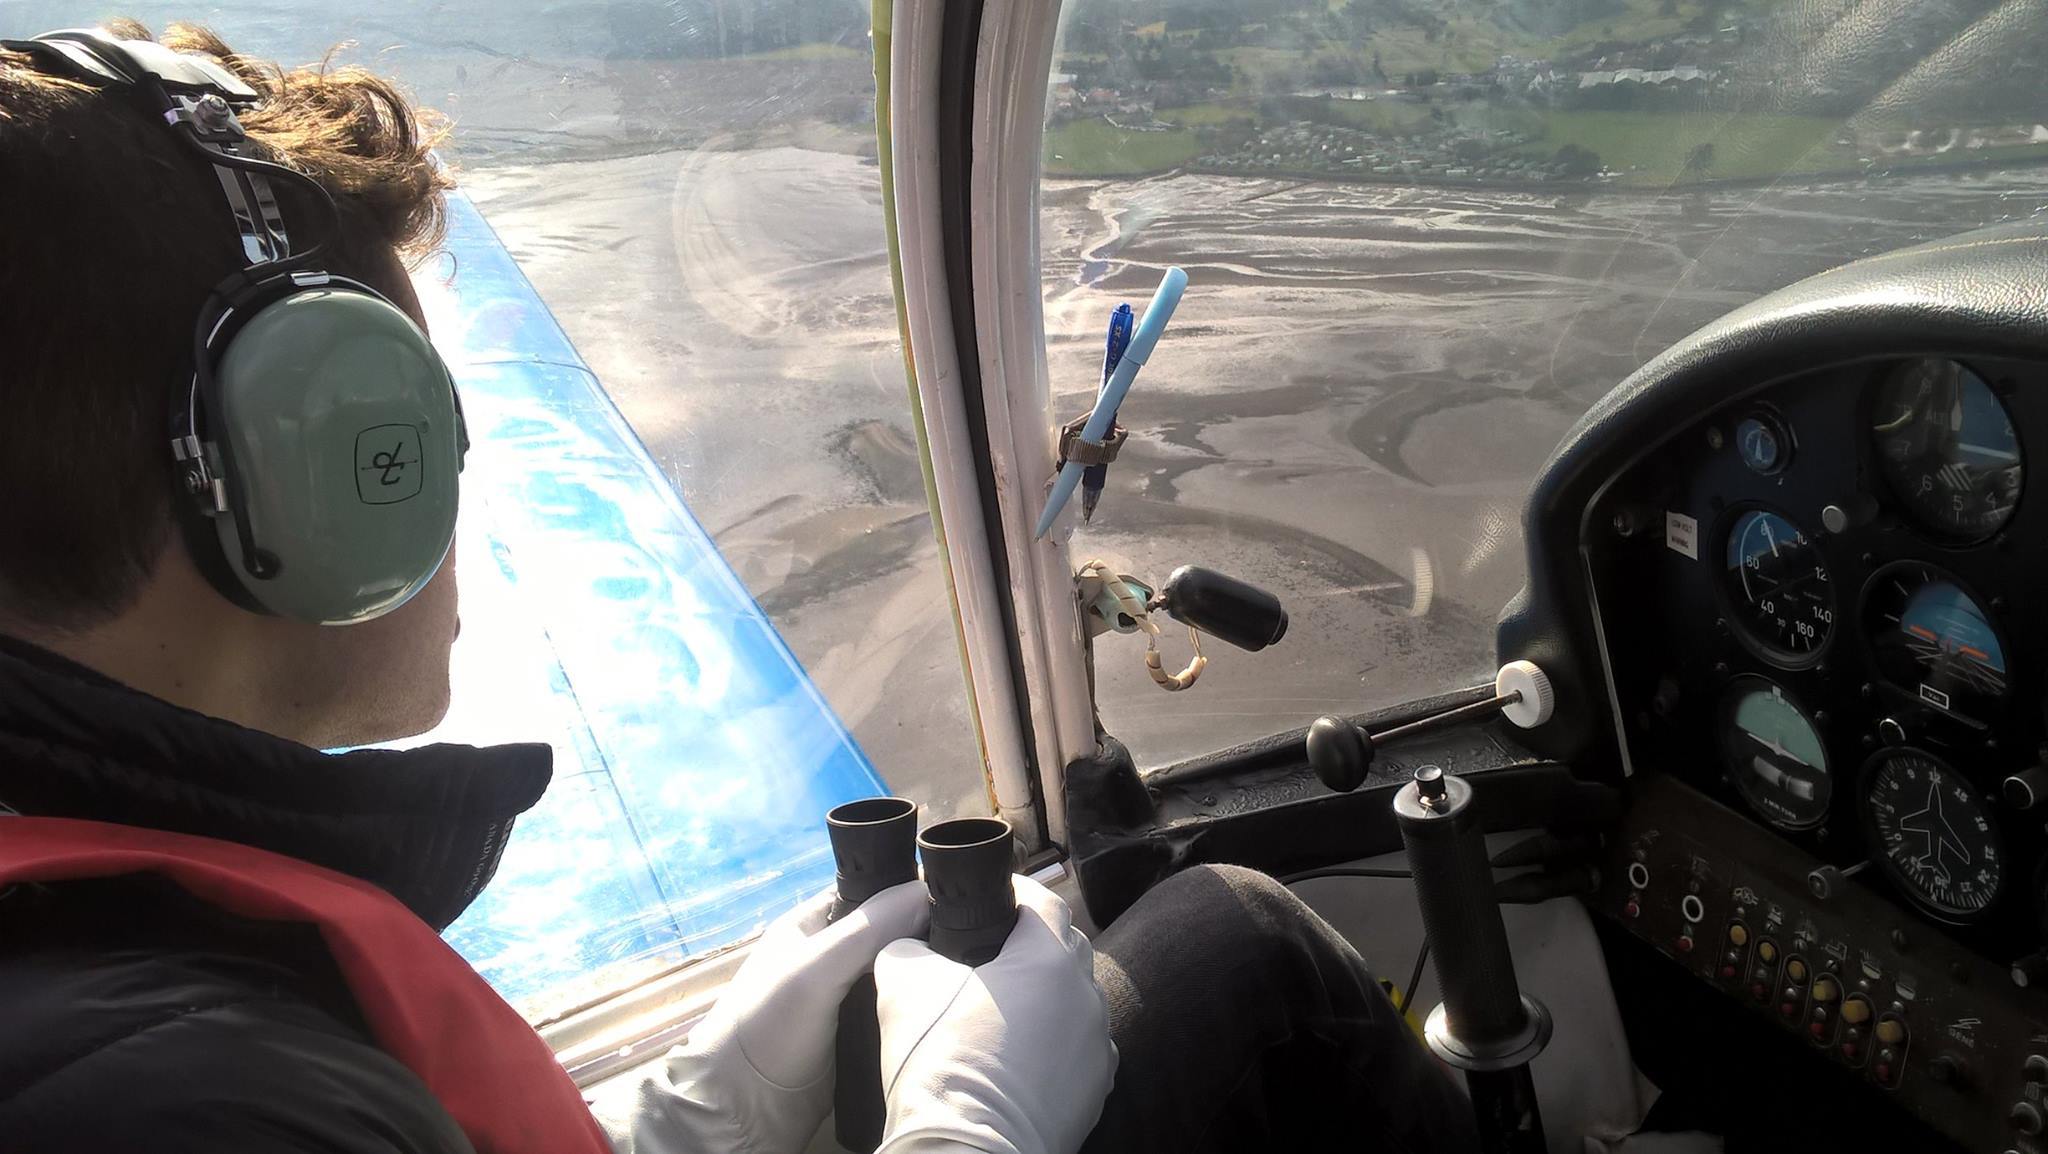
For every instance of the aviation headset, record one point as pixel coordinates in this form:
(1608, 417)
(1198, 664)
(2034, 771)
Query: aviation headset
(317, 441)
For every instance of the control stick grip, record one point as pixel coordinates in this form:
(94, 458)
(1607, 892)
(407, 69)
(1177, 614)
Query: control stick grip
(1454, 887)
(874, 846)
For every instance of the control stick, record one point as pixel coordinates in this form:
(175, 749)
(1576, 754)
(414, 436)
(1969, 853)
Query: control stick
(1485, 1026)
(874, 845)
(1341, 751)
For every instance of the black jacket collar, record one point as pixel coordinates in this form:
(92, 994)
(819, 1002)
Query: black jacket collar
(426, 824)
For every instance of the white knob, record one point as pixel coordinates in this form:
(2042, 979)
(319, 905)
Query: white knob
(1537, 703)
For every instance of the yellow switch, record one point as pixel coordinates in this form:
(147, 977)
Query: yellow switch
(1856, 1011)
(1825, 989)
(1891, 1031)
(1766, 952)
(1795, 970)
(1738, 935)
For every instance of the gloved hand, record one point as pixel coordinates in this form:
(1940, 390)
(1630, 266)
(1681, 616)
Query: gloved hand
(1013, 1057)
(755, 1076)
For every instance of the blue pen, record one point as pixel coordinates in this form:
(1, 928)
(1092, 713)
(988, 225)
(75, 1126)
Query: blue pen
(1097, 476)
(1149, 327)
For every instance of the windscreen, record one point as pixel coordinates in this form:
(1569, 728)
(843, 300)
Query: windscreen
(1422, 238)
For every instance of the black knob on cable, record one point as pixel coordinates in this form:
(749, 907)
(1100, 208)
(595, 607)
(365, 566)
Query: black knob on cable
(874, 847)
(967, 864)
(1221, 606)
(1340, 752)
(1824, 882)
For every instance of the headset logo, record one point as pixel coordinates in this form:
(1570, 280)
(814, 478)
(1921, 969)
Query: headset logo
(388, 464)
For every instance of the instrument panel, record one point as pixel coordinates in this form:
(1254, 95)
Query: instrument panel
(1824, 605)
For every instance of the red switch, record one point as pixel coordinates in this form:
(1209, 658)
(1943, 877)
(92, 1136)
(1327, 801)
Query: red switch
(1685, 945)
(1632, 910)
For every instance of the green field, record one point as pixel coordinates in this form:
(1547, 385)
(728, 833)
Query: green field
(1097, 148)
(1374, 115)
(1208, 115)
(1650, 149)
(1470, 39)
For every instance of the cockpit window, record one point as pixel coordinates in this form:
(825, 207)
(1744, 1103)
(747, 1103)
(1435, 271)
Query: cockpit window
(1421, 240)
(691, 190)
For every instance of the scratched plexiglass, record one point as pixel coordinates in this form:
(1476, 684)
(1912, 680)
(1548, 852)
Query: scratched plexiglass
(1421, 240)
(693, 755)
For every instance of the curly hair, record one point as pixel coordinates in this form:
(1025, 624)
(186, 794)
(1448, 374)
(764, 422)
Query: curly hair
(111, 237)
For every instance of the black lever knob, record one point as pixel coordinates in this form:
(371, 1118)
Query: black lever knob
(1340, 752)
(1240, 613)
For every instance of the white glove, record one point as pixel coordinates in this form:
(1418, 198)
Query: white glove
(755, 1076)
(1011, 1058)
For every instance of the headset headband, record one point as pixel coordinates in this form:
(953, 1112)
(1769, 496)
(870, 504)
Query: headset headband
(191, 93)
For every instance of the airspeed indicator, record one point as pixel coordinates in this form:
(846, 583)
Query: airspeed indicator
(1776, 583)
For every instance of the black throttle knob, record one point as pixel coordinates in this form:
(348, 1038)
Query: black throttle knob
(1340, 752)
(1242, 614)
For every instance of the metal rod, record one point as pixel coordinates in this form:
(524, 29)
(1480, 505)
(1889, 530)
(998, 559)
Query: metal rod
(1448, 719)
(1505, 1102)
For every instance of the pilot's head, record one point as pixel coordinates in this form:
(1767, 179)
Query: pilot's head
(112, 236)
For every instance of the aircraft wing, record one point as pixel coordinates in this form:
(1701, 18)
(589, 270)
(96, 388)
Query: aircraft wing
(694, 758)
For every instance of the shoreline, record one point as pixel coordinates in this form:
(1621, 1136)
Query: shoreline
(1585, 187)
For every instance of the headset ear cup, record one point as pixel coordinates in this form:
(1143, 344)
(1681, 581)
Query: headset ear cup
(340, 442)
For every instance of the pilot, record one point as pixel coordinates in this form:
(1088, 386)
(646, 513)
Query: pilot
(215, 937)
